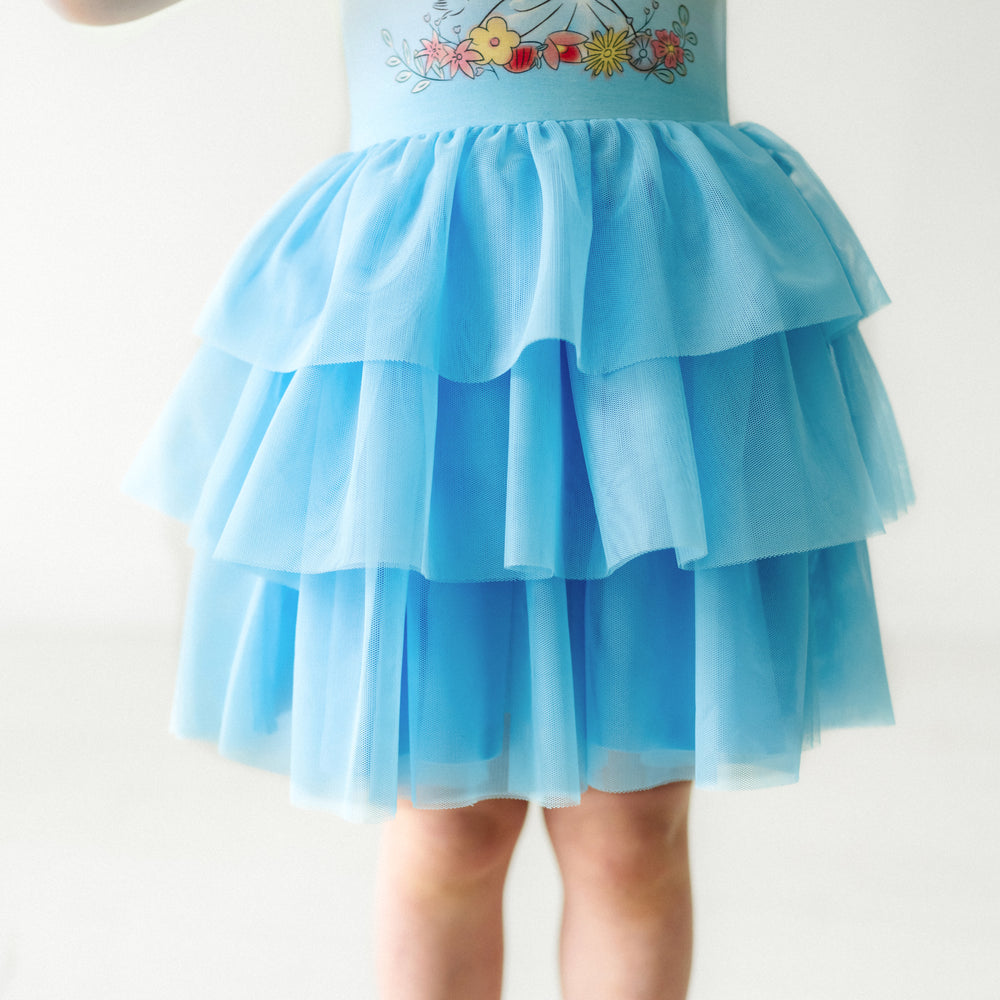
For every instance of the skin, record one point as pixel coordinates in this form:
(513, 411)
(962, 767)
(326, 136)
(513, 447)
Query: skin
(105, 12)
(627, 927)
(626, 930)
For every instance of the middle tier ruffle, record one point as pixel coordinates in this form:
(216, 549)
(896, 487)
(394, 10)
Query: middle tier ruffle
(785, 444)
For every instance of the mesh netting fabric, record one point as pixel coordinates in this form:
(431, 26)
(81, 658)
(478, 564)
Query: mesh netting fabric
(630, 239)
(365, 684)
(529, 458)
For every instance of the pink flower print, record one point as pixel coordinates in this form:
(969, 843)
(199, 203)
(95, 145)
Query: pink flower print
(433, 52)
(563, 46)
(462, 57)
(667, 47)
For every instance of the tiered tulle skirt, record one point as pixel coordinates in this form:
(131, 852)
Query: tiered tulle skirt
(525, 458)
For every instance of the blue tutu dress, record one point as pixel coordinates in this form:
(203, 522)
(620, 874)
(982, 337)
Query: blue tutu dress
(532, 443)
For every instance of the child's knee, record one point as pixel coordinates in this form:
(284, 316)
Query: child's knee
(626, 839)
(466, 843)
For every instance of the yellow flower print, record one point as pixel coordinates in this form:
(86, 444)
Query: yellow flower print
(607, 52)
(495, 42)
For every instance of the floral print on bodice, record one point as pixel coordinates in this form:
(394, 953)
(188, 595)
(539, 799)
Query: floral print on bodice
(517, 36)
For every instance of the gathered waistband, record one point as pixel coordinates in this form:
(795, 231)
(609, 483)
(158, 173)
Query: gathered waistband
(413, 72)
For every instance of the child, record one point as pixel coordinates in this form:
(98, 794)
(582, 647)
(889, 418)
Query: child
(530, 456)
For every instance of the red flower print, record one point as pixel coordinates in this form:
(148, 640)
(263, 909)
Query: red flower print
(462, 58)
(667, 47)
(563, 46)
(522, 58)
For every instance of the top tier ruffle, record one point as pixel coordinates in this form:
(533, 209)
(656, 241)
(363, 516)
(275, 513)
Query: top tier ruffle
(629, 239)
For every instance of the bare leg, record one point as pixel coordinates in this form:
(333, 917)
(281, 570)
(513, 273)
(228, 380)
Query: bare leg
(439, 900)
(627, 930)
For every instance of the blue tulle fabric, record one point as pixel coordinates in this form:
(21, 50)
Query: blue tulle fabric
(519, 488)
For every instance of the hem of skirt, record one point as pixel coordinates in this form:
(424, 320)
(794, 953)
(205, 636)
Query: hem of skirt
(367, 812)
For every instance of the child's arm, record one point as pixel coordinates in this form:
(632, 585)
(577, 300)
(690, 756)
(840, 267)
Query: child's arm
(106, 11)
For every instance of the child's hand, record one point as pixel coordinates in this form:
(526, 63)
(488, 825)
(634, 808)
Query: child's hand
(106, 11)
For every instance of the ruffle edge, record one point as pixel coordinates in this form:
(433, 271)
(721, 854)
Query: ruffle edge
(629, 239)
(786, 444)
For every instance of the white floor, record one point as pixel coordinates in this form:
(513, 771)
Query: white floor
(134, 865)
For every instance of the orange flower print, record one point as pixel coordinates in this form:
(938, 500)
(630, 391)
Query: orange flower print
(563, 46)
(495, 42)
(667, 47)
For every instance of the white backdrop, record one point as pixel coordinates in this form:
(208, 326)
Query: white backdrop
(135, 158)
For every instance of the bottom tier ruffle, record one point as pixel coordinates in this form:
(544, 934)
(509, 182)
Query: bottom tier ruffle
(365, 684)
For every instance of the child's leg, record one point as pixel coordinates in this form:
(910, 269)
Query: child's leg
(627, 914)
(439, 900)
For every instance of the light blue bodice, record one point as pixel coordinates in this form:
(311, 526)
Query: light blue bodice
(420, 66)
